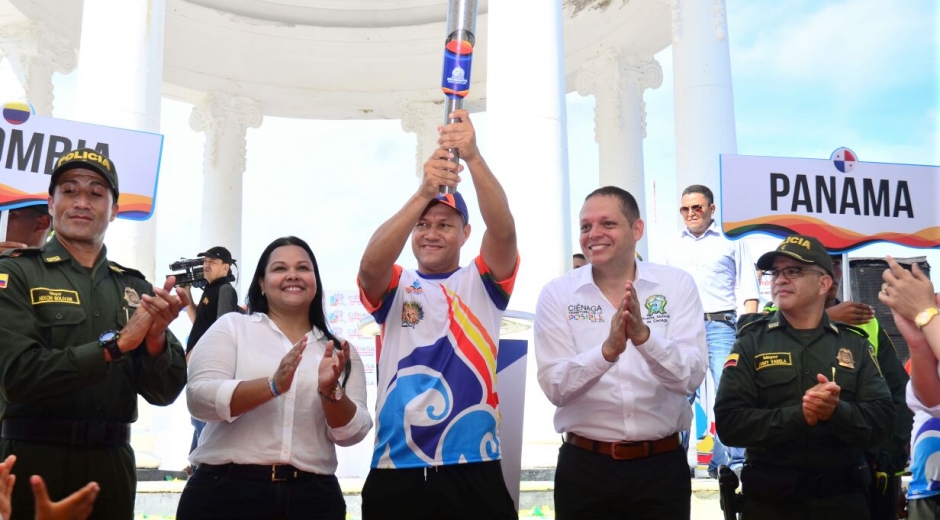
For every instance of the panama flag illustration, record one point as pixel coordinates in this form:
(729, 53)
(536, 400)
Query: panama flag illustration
(844, 159)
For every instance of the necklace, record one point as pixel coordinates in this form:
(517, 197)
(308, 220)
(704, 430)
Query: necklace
(292, 335)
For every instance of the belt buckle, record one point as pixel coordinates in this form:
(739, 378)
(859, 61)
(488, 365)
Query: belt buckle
(274, 474)
(623, 444)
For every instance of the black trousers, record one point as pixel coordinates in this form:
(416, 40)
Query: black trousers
(836, 507)
(474, 491)
(592, 486)
(222, 497)
(66, 469)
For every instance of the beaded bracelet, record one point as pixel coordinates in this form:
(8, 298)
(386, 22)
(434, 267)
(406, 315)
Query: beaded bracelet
(273, 387)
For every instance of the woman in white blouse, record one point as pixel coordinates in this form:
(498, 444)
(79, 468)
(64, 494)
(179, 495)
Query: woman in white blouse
(278, 393)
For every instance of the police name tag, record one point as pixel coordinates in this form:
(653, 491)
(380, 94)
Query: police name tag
(773, 359)
(41, 295)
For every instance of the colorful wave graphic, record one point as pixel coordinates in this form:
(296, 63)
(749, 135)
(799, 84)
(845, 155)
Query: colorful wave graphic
(132, 206)
(834, 238)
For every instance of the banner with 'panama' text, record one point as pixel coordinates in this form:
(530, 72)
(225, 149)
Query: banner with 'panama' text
(843, 202)
(31, 144)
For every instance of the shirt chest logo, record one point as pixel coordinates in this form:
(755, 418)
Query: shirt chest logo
(415, 288)
(656, 309)
(411, 314)
(582, 312)
(772, 359)
(41, 295)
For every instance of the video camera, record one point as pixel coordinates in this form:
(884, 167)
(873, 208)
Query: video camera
(192, 273)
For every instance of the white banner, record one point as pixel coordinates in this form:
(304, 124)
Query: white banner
(843, 202)
(30, 145)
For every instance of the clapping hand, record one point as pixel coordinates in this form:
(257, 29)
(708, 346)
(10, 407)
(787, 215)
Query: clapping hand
(284, 376)
(820, 401)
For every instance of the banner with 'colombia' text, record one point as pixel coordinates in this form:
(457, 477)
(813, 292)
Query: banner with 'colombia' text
(31, 144)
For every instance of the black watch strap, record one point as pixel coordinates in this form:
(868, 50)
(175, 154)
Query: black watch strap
(108, 341)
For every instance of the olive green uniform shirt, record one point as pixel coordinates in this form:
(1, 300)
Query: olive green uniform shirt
(52, 311)
(759, 402)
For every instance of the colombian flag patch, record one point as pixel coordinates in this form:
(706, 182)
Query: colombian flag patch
(4, 278)
(732, 360)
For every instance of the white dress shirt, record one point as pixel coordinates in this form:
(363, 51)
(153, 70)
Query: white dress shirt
(289, 429)
(641, 396)
(717, 265)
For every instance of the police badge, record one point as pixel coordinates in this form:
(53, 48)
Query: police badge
(845, 358)
(131, 297)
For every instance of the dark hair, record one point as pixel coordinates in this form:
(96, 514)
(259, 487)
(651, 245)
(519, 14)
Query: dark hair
(578, 255)
(628, 205)
(698, 188)
(258, 302)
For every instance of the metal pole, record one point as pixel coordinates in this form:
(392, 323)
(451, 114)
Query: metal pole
(4, 220)
(458, 59)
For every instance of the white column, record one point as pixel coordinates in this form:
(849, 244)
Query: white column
(527, 143)
(225, 118)
(527, 149)
(422, 118)
(704, 102)
(35, 53)
(119, 82)
(617, 81)
(120, 77)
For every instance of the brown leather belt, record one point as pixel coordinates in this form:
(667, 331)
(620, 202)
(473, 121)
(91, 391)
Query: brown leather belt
(264, 472)
(625, 450)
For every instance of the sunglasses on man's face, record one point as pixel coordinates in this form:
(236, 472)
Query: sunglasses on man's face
(695, 208)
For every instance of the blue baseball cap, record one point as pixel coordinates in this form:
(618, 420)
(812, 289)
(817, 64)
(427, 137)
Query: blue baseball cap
(454, 200)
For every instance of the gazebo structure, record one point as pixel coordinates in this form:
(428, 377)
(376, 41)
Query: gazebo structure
(237, 61)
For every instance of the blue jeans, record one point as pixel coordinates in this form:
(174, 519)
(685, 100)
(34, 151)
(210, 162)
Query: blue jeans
(198, 425)
(720, 336)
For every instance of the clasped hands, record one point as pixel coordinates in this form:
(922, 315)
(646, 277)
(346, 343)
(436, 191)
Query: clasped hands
(626, 324)
(820, 401)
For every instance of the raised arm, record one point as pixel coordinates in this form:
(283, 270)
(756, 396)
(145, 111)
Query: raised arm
(375, 268)
(499, 241)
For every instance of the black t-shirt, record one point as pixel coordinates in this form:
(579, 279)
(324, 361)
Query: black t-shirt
(218, 298)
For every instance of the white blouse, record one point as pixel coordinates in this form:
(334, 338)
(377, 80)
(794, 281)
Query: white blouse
(289, 429)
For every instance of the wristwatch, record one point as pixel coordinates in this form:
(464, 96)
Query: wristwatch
(334, 394)
(108, 341)
(924, 317)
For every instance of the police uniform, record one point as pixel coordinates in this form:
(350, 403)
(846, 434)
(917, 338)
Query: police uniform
(65, 411)
(794, 470)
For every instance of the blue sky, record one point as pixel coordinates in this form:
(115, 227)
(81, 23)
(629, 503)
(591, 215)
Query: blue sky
(809, 77)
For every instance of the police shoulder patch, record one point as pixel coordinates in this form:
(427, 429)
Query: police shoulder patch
(22, 251)
(118, 268)
(732, 361)
(860, 331)
(746, 322)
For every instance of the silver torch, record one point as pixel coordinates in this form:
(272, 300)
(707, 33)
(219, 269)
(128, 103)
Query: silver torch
(458, 58)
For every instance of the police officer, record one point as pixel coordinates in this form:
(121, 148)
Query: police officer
(28, 226)
(80, 338)
(804, 395)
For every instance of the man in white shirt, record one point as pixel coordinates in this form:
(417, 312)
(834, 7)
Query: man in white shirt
(719, 267)
(620, 344)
